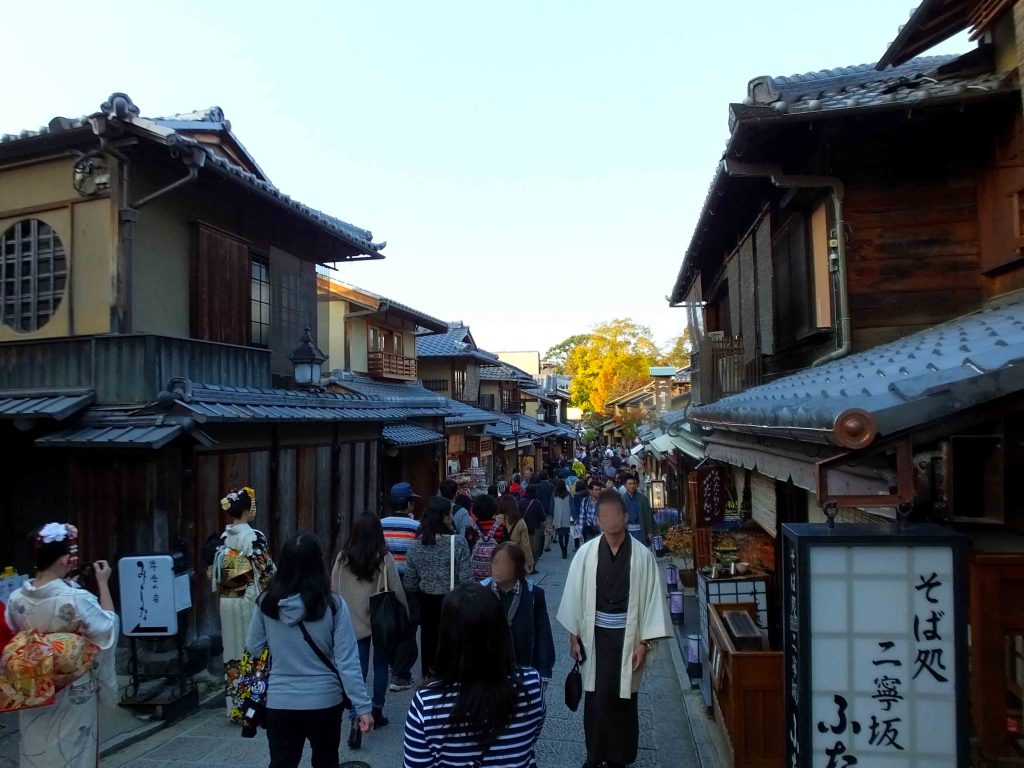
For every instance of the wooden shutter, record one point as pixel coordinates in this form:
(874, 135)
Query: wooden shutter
(220, 288)
(762, 501)
(748, 302)
(765, 287)
(822, 285)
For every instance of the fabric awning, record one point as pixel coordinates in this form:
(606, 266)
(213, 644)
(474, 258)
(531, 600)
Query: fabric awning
(44, 404)
(410, 435)
(664, 444)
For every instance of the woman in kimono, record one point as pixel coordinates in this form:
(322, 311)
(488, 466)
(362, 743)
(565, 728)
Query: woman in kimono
(66, 733)
(241, 570)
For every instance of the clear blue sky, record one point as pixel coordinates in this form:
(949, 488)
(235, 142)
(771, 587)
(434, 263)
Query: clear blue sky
(534, 166)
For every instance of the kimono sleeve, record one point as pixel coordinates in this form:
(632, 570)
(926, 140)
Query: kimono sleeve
(100, 626)
(570, 607)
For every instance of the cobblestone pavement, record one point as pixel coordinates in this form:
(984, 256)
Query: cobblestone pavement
(668, 737)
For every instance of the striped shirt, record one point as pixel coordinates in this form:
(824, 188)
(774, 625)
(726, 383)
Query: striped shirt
(429, 743)
(399, 533)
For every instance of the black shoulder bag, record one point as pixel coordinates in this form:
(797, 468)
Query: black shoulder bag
(346, 702)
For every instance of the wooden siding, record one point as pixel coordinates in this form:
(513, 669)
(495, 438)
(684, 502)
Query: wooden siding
(912, 256)
(128, 369)
(220, 287)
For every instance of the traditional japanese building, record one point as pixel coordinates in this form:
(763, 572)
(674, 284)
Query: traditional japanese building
(154, 290)
(854, 289)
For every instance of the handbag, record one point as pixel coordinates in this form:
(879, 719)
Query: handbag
(574, 683)
(389, 622)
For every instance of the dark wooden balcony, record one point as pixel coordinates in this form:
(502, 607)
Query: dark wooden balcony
(128, 369)
(387, 365)
(718, 369)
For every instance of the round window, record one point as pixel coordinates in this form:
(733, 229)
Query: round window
(33, 275)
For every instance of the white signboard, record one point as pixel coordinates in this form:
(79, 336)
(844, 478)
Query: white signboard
(148, 604)
(882, 658)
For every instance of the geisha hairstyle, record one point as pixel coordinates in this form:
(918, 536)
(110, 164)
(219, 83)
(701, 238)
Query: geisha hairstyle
(239, 502)
(51, 542)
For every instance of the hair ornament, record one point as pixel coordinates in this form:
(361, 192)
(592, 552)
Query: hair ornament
(52, 532)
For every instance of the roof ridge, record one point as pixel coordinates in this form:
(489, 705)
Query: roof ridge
(856, 69)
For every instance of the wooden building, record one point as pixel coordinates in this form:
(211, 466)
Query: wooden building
(854, 284)
(154, 283)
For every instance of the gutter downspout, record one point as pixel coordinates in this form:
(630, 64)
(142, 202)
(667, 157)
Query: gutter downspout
(837, 193)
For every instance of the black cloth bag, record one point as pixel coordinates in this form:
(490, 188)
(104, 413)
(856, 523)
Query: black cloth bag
(574, 684)
(389, 621)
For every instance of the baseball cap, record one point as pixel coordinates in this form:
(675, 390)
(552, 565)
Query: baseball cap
(400, 491)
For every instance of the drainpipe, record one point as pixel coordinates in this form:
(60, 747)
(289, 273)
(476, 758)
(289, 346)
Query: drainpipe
(836, 194)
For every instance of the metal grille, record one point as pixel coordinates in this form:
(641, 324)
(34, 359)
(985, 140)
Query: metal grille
(33, 274)
(259, 294)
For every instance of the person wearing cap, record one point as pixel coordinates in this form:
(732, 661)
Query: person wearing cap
(400, 529)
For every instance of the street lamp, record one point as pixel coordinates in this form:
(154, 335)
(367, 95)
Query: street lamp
(307, 359)
(514, 420)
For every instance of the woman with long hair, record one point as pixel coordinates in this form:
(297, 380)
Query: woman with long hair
(241, 569)
(480, 708)
(66, 733)
(533, 514)
(434, 564)
(526, 608)
(515, 527)
(315, 658)
(561, 511)
(362, 569)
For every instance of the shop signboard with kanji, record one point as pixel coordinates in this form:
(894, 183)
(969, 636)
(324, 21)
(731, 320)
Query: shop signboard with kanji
(875, 647)
(149, 604)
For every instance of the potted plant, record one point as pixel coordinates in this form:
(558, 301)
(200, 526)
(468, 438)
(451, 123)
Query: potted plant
(679, 541)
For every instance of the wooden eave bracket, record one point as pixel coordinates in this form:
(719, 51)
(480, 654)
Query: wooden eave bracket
(904, 480)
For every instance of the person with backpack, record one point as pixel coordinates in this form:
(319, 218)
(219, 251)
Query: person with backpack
(487, 534)
(535, 516)
(526, 608)
(515, 527)
(314, 671)
(241, 570)
(362, 569)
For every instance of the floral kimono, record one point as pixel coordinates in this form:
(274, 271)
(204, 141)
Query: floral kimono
(66, 734)
(241, 571)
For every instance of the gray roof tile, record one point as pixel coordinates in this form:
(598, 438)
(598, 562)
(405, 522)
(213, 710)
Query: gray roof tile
(456, 342)
(903, 384)
(408, 435)
(42, 404)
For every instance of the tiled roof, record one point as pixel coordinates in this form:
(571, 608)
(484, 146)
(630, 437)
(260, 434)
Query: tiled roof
(464, 415)
(528, 427)
(502, 371)
(456, 342)
(894, 387)
(835, 93)
(56, 405)
(119, 110)
(122, 432)
(408, 435)
(410, 393)
(379, 303)
(211, 402)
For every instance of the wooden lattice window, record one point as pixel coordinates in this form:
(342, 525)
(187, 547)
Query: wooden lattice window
(33, 274)
(260, 302)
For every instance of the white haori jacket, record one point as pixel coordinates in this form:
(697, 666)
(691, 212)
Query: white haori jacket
(647, 616)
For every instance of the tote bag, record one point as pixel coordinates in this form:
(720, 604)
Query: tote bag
(389, 621)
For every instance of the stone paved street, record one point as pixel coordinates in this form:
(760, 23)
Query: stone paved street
(668, 737)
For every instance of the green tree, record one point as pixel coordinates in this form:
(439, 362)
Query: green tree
(677, 351)
(558, 355)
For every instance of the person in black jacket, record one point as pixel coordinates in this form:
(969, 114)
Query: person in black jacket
(525, 607)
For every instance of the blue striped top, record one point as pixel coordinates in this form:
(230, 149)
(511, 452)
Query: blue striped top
(430, 744)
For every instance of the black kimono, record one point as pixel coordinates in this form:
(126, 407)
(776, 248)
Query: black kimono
(611, 723)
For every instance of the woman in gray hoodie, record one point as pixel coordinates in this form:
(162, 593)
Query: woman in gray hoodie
(315, 658)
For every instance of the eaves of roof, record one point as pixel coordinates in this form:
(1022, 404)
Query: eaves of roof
(119, 114)
(932, 22)
(465, 415)
(502, 371)
(410, 435)
(845, 93)
(380, 303)
(887, 390)
(56, 405)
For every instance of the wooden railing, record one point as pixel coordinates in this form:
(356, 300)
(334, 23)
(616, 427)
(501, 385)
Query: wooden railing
(437, 385)
(719, 370)
(387, 365)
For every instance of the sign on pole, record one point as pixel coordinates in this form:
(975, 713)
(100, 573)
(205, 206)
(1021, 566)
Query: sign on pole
(148, 604)
(875, 646)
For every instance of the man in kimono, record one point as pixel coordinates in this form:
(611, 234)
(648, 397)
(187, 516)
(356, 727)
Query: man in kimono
(614, 608)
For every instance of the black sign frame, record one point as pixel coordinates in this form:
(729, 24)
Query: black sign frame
(797, 541)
